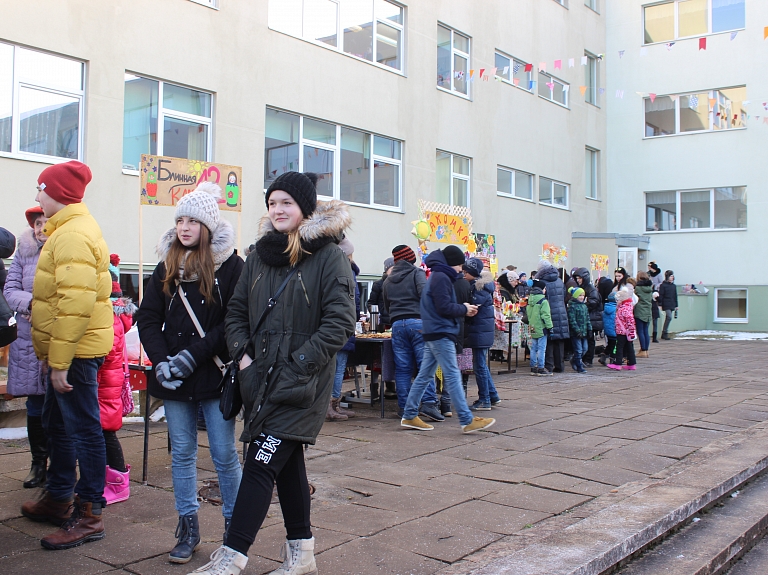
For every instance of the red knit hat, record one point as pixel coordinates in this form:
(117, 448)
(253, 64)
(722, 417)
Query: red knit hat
(32, 214)
(65, 182)
(403, 252)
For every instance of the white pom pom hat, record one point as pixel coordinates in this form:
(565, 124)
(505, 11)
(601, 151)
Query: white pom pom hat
(202, 205)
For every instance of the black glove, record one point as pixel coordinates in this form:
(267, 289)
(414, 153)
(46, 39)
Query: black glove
(163, 375)
(182, 364)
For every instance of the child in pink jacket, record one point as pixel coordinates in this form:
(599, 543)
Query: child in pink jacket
(625, 329)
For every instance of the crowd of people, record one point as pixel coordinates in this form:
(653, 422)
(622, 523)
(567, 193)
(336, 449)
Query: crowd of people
(285, 317)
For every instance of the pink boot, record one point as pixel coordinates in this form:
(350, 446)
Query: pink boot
(630, 367)
(614, 366)
(118, 485)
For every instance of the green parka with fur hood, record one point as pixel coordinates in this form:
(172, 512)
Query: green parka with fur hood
(287, 388)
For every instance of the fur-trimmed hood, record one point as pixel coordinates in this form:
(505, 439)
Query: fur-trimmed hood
(124, 306)
(27, 245)
(329, 219)
(485, 281)
(222, 243)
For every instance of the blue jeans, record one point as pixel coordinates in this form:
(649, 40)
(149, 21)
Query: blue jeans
(408, 349)
(182, 428)
(579, 348)
(642, 334)
(485, 388)
(73, 425)
(439, 352)
(341, 366)
(35, 405)
(538, 351)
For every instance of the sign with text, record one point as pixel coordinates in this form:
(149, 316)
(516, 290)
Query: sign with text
(164, 181)
(449, 229)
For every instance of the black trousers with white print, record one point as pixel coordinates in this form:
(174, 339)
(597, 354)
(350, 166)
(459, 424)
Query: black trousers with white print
(271, 461)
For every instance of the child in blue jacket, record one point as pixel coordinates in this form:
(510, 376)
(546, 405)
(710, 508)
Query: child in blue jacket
(609, 327)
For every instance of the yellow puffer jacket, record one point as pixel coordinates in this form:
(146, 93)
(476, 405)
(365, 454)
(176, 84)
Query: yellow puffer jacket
(71, 310)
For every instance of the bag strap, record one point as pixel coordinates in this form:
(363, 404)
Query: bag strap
(190, 311)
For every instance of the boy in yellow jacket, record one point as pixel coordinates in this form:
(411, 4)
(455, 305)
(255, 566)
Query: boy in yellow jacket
(72, 332)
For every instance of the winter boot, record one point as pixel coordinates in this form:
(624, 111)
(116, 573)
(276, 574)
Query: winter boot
(188, 535)
(655, 340)
(224, 561)
(336, 403)
(47, 509)
(299, 558)
(85, 525)
(333, 415)
(429, 410)
(118, 485)
(665, 335)
(38, 445)
(390, 392)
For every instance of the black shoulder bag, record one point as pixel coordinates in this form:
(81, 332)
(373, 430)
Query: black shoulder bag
(231, 400)
(7, 322)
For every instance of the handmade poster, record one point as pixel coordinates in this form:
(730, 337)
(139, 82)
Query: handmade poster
(164, 181)
(484, 248)
(447, 224)
(598, 262)
(554, 254)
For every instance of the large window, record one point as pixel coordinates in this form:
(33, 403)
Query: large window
(731, 305)
(371, 30)
(514, 184)
(453, 173)
(355, 166)
(708, 209)
(594, 4)
(452, 61)
(183, 114)
(592, 173)
(41, 104)
(591, 80)
(708, 111)
(553, 89)
(553, 193)
(514, 71)
(687, 18)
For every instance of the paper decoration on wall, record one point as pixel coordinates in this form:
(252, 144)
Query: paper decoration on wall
(765, 32)
(669, 45)
(515, 69)
(584, 60)
(693, 102)
(551, 86)
(505, 71)
(702, 43)
(652, 97)
(598, 263)
(712, 103)
(583, 90)
(542, 66)
(482, 71)
(621, 54)
(571, 62)
(516, 81)
(531, 84)
(554, 254)
(558, 64)
(733, 36)
(528, 67)
(447, 224)
(620, 94)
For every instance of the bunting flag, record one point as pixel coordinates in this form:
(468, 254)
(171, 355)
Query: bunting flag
(471, 74)
(558, 64)
(505, 71)
(620, 94)
(516, 81)
(583, 90)
(765, 32)
(515, 69)
(531, 85)
(693, 102)
(601, 91)
(702, 43)
(482, 71)
(674, 98)
(542, 66)
(571, 62)
(765, 120)
(566, 88)
(494, 71)
(621, 54)
(733, 36)
(652, 97)
(669, 45)
(712, 103)
(551, 86)
(528, 67)
(600, 57)
(584, 60)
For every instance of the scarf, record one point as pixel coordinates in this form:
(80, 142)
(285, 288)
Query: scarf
(271, 248)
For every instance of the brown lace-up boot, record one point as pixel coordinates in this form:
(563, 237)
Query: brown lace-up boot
(336, 403)
(85, 525)
(47, 509)
(333, 415)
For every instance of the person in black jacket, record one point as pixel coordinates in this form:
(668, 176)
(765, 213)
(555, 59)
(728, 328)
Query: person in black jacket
(198, 260)
(595, 306)
(668, 300)
(463, 290)
(377, 296)
(555, 359)
(7, 247)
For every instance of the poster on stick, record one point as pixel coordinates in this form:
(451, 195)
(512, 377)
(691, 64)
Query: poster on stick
(164, 181)
(598, 263)
(553, 253)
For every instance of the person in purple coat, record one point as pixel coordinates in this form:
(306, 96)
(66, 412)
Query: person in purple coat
(25, 371)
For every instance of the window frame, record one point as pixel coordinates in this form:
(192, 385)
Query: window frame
(337, 150)
(163, 113)
(595, 8)
(566, 91)
(454, 52)
(513, 195)
(593, 65)
(676, 23)
(712, 94)
(17, 83)
(339, 48)
(678, 212)
(718, 319)
(457, 176)
(595, 167)
(512, 62)
(563, 3)
(208, 3)
(551, 204)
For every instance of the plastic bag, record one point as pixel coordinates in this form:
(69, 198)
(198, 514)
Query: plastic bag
(133, 345)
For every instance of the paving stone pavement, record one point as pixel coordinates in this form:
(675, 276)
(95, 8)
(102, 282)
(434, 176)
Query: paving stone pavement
(395, 501)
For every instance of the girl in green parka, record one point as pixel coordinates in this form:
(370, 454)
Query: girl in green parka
(643, 311)
(540, 322)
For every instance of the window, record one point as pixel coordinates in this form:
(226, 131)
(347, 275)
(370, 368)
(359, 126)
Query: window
(591, 171)
(708, 111)
(41, 104)
(370, 30)
(513, 71)
(591, 80)
(686, 18)
(354, 166)
(709, 209)
(452, 61)
(553, 193)
(209, 3)
(553, 89)
(731, 305)
(592, 4)
(452, 179)
(562, 2)
(514, 184)
(183, 113)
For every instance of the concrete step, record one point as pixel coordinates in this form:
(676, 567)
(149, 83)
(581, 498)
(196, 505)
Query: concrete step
(753, 563)
(713, 540)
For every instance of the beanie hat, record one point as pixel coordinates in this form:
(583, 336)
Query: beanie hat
(473, 267)
(654, 266)
(513, 276)
(32, 214)
(347, 247)
(538, 284)
(301, 187)
(202, 205)
(388, 263)
(403, 252)
(668, 273)
(623, 295)
(114, 272)
(65, 182)
(576, 292)
(453, 256)
(521, 276)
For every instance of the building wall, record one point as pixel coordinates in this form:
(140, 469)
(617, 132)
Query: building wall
(232, 53)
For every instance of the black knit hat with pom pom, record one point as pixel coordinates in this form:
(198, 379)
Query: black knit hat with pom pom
(301, 187)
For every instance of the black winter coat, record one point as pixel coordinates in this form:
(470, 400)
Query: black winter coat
(377, 298)
(7, 247)
(166, 329)
(556, 298)
(667, 295)
(480, 328)
(463, 291)
(593, 300)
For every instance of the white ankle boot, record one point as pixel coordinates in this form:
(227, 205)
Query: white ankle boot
(299, 558)
(224, 561)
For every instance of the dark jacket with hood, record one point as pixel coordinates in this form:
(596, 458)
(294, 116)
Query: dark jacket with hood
(604, 288)
(402, 291)
(463, 291)
(165, 327)
(479, 330)
(644, 293)
(440, 311)
(377, 298)
(294, 352)
(556, 298)
(350, 345)
(7, 247)
(593, 300)
(667, 295)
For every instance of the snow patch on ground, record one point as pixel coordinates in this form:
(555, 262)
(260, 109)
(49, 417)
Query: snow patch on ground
(713, 335)
(13, 433)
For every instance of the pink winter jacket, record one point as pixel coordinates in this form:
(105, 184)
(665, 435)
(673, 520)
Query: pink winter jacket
(112, 372)
(625, 319)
